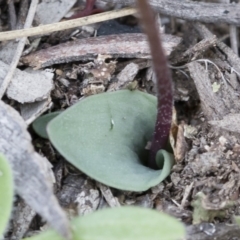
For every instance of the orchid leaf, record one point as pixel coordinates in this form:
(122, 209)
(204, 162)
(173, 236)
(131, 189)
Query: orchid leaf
(40, 124)
(105, 136)
(6, 193)
(124, 223)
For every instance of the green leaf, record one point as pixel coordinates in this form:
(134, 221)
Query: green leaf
(40, 124)
(124, 223)
(6, 193)
(105, 136)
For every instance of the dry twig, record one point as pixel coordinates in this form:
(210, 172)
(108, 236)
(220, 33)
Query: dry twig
(232, 58)
(49, 28)
(132, 45)
(193, 11)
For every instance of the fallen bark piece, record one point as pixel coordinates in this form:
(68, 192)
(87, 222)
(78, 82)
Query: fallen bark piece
(108, 195)
(218, 104)
(31, 111)
(228, 54)
(230, 122)
(21, 219)
(47, 12)
(210, 104)
(79, 196)
(125, 77)
(188, 10)
(7, 52)
(30, 180)
(132, 45)
(193, 52)
(28, 86)
(53, 11)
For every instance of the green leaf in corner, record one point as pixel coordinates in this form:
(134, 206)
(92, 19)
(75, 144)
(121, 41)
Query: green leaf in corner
(6, 193)
(124, 223)
(40, 124)
(105, 136)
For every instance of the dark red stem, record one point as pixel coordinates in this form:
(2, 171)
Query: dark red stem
(87, 11)
(164, 82)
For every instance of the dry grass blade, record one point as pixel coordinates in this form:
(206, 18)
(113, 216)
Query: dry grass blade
(49, 28)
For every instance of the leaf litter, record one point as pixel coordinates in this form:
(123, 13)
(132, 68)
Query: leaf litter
(208, 154)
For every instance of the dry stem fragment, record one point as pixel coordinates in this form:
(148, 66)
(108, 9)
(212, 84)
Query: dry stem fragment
(118, 46)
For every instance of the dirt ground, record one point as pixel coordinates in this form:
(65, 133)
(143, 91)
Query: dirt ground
(203, 187)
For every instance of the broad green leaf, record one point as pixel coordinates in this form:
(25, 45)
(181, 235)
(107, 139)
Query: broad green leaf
(6, 193)
(105, 136)
(40, 124)
(124, 223)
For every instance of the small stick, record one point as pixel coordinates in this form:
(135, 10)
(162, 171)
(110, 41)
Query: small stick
(49, 28)
(186, 194)
(19, 49)
(231, 57)
(233, 35)
(234, 38)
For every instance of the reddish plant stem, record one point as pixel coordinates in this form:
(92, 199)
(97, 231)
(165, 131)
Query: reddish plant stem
(164, 83)
(87, 11)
